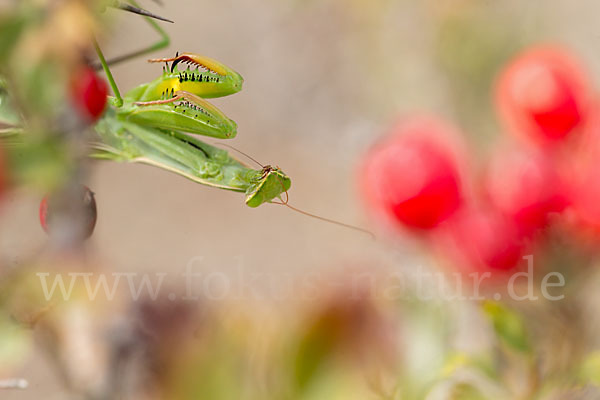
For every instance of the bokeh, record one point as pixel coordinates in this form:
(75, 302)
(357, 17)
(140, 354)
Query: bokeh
(361, 103)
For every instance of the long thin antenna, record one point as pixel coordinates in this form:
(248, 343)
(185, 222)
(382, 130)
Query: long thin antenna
(331, 221)
(286, 203)
(239, 151)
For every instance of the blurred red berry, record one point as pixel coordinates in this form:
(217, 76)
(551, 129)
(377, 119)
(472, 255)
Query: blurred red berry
(525, 187)
(412, 176)
(53, 206)
(585, 198)
(582, 178)
(89, 93)
(44, 214)
(483, 240)
(543, 95)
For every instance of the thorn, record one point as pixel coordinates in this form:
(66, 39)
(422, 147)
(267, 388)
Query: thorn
(140, 11)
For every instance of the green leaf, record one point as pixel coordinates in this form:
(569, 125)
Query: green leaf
(590, 369)
(8, 115)
(11, 27)
(464, 391)
(508, 325)
(44, 164)
(15, 343)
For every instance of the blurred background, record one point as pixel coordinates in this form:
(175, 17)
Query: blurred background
(323, 81)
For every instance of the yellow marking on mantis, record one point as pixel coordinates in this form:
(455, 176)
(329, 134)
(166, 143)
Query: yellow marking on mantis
(195, 59)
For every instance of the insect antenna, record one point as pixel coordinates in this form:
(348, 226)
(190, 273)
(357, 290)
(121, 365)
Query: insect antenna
(241, 152)
(328, 220)
(298, 210)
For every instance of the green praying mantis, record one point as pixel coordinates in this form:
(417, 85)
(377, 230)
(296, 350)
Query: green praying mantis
(158, 123)
(152, 123)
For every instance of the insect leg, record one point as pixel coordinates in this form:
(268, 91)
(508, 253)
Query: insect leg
(109, 76)
(177, 96)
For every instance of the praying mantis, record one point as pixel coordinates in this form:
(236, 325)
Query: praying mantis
(152, 123)
(158, 123)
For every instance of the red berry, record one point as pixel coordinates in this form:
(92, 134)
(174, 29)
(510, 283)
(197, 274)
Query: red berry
(482, 239)
(579, 165)
(44, 214)
(585, 198)
(526, 188)
(412, 176)
(83, 213)
(542, 95)
(89, 93)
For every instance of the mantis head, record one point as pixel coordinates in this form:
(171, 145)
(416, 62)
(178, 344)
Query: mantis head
(269, 185)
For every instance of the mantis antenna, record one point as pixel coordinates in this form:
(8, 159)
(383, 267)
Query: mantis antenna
(300, 211)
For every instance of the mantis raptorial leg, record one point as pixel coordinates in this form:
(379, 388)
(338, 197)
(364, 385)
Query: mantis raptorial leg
(176, 96)
(196, 102)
